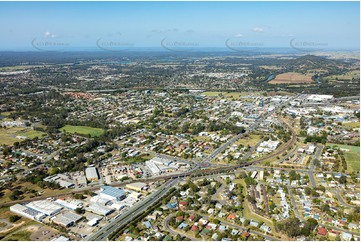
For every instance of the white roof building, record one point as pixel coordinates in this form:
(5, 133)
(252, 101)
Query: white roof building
(99, 209)
(45, 206)
(92, 173)
(27, 212)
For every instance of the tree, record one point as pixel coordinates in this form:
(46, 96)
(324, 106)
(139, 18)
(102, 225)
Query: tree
(79, 210)
(343, 179)
(14, 218)
(290, 226)
(246, 222)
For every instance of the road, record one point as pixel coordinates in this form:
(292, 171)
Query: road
(312, 165)
(260, 168)
(294, 204)
(341, 200)
(267, 237)
(219, 191)
(172, 231)
(126, 217)
(264, 116)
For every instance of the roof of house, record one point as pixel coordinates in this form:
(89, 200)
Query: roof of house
(322, 231)
(231, 216)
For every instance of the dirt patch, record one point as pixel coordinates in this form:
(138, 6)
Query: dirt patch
(292, 78)
(12, 227)
(44, 233)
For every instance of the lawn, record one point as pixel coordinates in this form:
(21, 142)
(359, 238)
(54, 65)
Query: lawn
(31, 134)
(5, 113)
(352, 156)
(351, 124)
(8, 135)
(85, 130)
(247, 211)
(252, 140)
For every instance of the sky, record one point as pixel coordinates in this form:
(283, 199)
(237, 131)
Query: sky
(128, 25)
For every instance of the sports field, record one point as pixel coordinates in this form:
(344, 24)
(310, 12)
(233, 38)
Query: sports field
(9, 136)
(85, 130)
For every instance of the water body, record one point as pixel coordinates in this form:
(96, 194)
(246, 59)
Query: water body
(317, 79)
(270, 77)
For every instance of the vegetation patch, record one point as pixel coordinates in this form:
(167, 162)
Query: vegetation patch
(8, 135)
(31, 134)
(352, 155)
(84, 130)
(352, 124)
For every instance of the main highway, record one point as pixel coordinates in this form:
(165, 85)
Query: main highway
(103, 233)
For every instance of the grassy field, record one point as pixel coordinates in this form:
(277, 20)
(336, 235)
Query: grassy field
(5, 113)
(291, 78)
(85, 130)
(22, 235)
(351, 124)
(352, 156)
(8, 135)
(46, 192)
(347, 76)
(31, 134)
(247, 211)
(252, 140)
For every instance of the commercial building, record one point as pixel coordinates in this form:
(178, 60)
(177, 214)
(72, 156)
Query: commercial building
(112, 193)
(154, 169)
(137, 186)
(319, 98)
(67, 219)
(27, 212)
(69, 205)
(99, 209)
(92, 173)
(45, 206)
(93, 222)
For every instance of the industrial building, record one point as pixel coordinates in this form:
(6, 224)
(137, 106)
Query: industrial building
(67, 219)
(69, 205)
(153, 168)
(99, 209)
(112, 193)
(45, 206)
(27, 212)
(136, 186)
(92, 173)
(60, 179)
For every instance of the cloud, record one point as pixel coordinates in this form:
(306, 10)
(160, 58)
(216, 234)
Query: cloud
(238, 35)
(258, 29)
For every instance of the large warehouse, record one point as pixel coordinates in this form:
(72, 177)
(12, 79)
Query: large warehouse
(67, 219)
(99, 209)
(112, 193)
(136, 186)
(92, 173)
(46, 207)
(27, 212)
